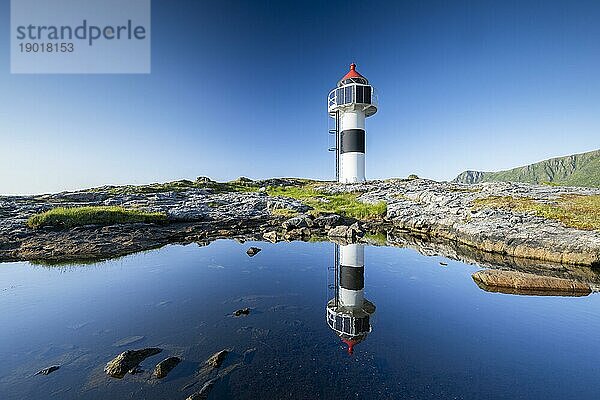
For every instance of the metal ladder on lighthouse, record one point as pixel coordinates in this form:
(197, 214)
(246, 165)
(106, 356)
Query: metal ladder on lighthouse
(336, 132)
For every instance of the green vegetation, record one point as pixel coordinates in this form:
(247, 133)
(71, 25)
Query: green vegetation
(99, 215)
(575, 211)
(379, 238)
(346, 204)
(549, 183)
(575, 170)
(285, 212)
(238, 185)
(464, 189)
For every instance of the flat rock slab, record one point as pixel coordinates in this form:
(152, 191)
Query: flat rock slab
(128, 361)
(513, 282)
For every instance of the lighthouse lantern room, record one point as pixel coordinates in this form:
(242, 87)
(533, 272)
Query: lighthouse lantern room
(349, 104)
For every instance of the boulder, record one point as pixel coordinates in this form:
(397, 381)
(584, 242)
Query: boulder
(297, 234)
(252, 251)
(128, 360)
(217, 359)
(241, 311)
(328, 221)
(163, 368)
(301, 221)
(47, 371)
(347, 232)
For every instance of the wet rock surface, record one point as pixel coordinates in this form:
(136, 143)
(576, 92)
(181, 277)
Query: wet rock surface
(241, 312)
(203, 393)
(512, 282)
(49, 370)
(129, 360)
(436, 210)
(252, 251)
(217, 359)
(163, 368)
(212, 371)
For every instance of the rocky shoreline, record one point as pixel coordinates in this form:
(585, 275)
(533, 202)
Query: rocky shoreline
(432, 211)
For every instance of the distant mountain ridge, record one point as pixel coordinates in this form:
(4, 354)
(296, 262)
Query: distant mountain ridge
(574, 170)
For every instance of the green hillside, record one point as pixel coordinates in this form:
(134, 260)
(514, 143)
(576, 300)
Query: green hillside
(575, 170)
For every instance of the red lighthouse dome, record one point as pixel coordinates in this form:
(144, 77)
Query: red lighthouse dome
(353, 76)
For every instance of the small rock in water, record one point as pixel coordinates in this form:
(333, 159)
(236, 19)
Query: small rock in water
(202, 394)
(252, 251)
(216, 359)
(48, 370)
(249, 355)
(241, 311)
(128, 340)
(443, 264)
(163, 368)
(128, 360)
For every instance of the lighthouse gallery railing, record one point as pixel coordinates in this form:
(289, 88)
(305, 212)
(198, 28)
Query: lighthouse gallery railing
(353, 93)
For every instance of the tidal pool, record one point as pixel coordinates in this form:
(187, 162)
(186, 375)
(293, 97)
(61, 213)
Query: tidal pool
(388, 323)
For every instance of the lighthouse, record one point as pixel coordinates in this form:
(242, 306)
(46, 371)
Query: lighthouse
(348, 313)
(349, 104)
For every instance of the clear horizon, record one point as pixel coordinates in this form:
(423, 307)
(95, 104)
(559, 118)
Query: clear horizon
(239, 89)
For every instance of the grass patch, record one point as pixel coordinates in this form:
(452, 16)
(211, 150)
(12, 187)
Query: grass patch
(345, 204)
(285, 212)
(100, 215)
(575, 211)
(548, 183)
(379, 238)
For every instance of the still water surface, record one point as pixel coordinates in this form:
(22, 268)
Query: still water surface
(431, 333)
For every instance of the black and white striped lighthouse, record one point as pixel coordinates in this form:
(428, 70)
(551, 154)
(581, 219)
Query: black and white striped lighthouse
(348, 313)
(350, 103)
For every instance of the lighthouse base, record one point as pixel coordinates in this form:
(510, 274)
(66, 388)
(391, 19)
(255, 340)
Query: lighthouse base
(352, 168)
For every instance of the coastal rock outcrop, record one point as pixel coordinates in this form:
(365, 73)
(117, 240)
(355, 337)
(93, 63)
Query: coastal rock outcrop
(128, 360)
(513, 282)
(163, 368)
(436, 210)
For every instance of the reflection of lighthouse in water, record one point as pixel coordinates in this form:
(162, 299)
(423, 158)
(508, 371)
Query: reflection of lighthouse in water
(348, 313)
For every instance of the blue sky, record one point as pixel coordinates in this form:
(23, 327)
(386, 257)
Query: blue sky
(239, 88)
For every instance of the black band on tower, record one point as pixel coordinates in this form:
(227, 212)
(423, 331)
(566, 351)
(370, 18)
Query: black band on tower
(352, 278)
(352, 140)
